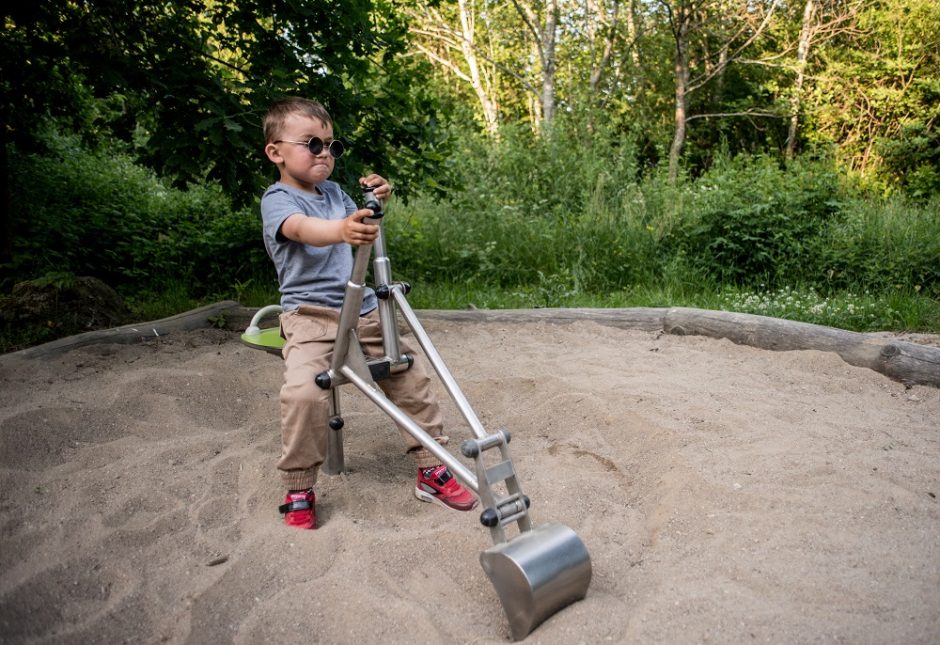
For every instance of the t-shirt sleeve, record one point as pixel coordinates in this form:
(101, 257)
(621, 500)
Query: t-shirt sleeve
(277, 206)
(348, 203)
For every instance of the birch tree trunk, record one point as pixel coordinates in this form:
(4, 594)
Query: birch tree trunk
(544, 41)
(681, 20)
(802, 54)
(453, 47)
(487, 104)
(597, 72)
(549, 63)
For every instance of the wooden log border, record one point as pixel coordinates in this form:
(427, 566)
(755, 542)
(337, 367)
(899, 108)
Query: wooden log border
(909, 363)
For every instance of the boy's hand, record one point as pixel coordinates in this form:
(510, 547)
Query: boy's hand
(355, 232)
(379, 185)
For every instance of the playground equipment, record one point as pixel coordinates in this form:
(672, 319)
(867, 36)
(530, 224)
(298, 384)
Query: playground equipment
(536, 572)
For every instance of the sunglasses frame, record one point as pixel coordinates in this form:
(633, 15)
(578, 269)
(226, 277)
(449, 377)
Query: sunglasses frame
(316, 145)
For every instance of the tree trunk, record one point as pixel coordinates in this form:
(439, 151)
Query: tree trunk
(910, 363)
(633, 33)
(548, 63)
(720, 76)
(543, 44)
(487, 104)
(906, 362)
(681, 34)
(802, 54)
(597, 73)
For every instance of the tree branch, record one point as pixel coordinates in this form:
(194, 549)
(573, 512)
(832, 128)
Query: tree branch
(699, 82)
(748, 113)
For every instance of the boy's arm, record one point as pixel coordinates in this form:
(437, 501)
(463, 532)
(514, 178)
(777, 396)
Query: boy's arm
(320, 232)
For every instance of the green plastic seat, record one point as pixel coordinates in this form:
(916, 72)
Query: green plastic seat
(268, 339)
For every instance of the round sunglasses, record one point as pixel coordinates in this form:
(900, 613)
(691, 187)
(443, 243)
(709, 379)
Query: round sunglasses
(315, 145)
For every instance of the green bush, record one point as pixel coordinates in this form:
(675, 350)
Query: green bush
(883, 244)
(552, 177)
(561, 212)
(750, 221)
(97, 213)
(912, 159)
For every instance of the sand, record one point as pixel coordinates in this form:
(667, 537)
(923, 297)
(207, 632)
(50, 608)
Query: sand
(725, 493)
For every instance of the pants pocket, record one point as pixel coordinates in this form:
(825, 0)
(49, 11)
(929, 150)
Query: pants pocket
(297, 327)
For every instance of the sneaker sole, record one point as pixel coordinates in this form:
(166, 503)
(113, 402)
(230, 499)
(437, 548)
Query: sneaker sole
(428, 497)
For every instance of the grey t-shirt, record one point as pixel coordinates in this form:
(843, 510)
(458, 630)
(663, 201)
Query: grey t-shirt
(309, 275)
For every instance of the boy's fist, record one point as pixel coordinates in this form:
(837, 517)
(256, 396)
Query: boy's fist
(380, 187)
(356, 232)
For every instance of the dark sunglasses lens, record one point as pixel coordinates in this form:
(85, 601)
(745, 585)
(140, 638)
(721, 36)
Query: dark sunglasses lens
(336, 148)
(315, 145)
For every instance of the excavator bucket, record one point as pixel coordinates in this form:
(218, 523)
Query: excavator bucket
(538, 573)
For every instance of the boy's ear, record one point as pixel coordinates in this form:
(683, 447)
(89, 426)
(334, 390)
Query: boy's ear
(271, 151)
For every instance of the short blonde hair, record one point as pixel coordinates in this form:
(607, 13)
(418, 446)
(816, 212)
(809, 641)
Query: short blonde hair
(277, 115)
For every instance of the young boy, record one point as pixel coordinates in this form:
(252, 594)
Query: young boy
(309, 227)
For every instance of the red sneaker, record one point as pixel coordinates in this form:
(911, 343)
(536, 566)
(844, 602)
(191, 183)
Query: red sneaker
(438, 485)
(300, 509)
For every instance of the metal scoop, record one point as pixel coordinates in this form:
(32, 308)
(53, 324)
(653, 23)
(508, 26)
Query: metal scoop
(541, 570)
(538, 573)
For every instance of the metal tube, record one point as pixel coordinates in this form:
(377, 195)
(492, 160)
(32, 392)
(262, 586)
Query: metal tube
(378, 397)
(382, 275)
(438, 363)
(335, 462)
(352, 305)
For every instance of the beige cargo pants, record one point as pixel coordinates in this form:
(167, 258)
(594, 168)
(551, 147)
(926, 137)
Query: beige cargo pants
(305, 408)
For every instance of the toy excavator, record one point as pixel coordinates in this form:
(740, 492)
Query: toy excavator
(538, 571)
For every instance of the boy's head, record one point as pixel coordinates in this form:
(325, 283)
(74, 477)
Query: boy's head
(290, 125)
(277, 116)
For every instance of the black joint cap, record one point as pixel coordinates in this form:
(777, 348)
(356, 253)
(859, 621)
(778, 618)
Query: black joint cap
(470, 449)
(382, 292)
(527, 501)
(323, 380)
(489, 517)
(337, 423)
(371, 202)
(406, 288)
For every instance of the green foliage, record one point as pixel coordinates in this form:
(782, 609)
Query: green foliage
(883, 244)
(748, 225)
(523, 170)
(87, 212)
(861, 312)
(188, 83)
(556, 212)
(750, 220)
(170, 299)
(877, 91)
(543, 222)
(913, 159)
